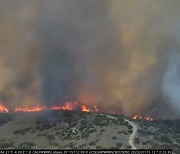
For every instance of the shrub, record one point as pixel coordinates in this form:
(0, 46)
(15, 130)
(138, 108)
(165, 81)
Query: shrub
(40, 135)
(112, 148)
(101, 121)
(73, 124)
(26, 145)
(115, 122)
(18, 132)
(68, 137)
(128, 147)
(130, 131)
(38, 122)
(63, 133)
(114, 138)
(102, 130)
(71, 145)
(85, 134)
(120, 119)
(155, 146)
(44, 134)
(137, 140)
(177, 150)
(150, 133)
(129, 126)
(123, 132)
(83, 145)
(33, 131)
(104, 123)
(90, 131)
(89, 126)
(57, 133)
(6, 145)
(50, 137)
(45, 126)
(39, 128)
(118, 145)
(166, 139)
(22, 132)
(98, 147)
(92, 143)
(144, 143)
(27, 129)
(84, 122)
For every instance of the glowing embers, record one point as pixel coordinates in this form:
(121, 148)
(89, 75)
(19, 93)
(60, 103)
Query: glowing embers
(142, 118)
(149, 119)
(34, 109)
(3, 108)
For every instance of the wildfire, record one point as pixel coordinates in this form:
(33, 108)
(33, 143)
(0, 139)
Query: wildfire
(140, 117)
(135, 117)
(35, 109)
(68, 106)
(149, 119)
(3, 108)
(84, 108)
(96, 108)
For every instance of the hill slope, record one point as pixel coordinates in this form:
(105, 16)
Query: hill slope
(81, 130)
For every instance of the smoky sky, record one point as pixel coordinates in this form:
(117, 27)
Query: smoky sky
(113, 54)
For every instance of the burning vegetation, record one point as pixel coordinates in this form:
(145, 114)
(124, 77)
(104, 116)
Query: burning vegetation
(142, 118)
(3, 108)
(111, 59)
(35, 109)
(69, 106)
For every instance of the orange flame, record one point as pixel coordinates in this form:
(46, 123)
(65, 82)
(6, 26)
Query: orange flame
(84, 108)
(68, 106)
(135, 117)
(35, 109)
(140, 117)
(3, 108)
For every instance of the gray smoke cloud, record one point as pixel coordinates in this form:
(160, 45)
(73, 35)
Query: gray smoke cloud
(171, 81)
(113, 54)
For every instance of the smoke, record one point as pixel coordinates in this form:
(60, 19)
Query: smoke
(171, 81)
(113, 54)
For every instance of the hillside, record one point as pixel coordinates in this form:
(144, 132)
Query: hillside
(83, 130)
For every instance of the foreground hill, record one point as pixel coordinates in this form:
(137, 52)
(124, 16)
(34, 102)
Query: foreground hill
(82, 130)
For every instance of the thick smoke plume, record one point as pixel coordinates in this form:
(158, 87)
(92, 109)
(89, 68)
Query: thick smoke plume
(118, 55)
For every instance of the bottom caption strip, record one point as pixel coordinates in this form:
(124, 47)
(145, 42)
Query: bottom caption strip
(85, 151)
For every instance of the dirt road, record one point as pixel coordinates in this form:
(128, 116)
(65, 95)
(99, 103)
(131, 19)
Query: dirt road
(131, 138)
